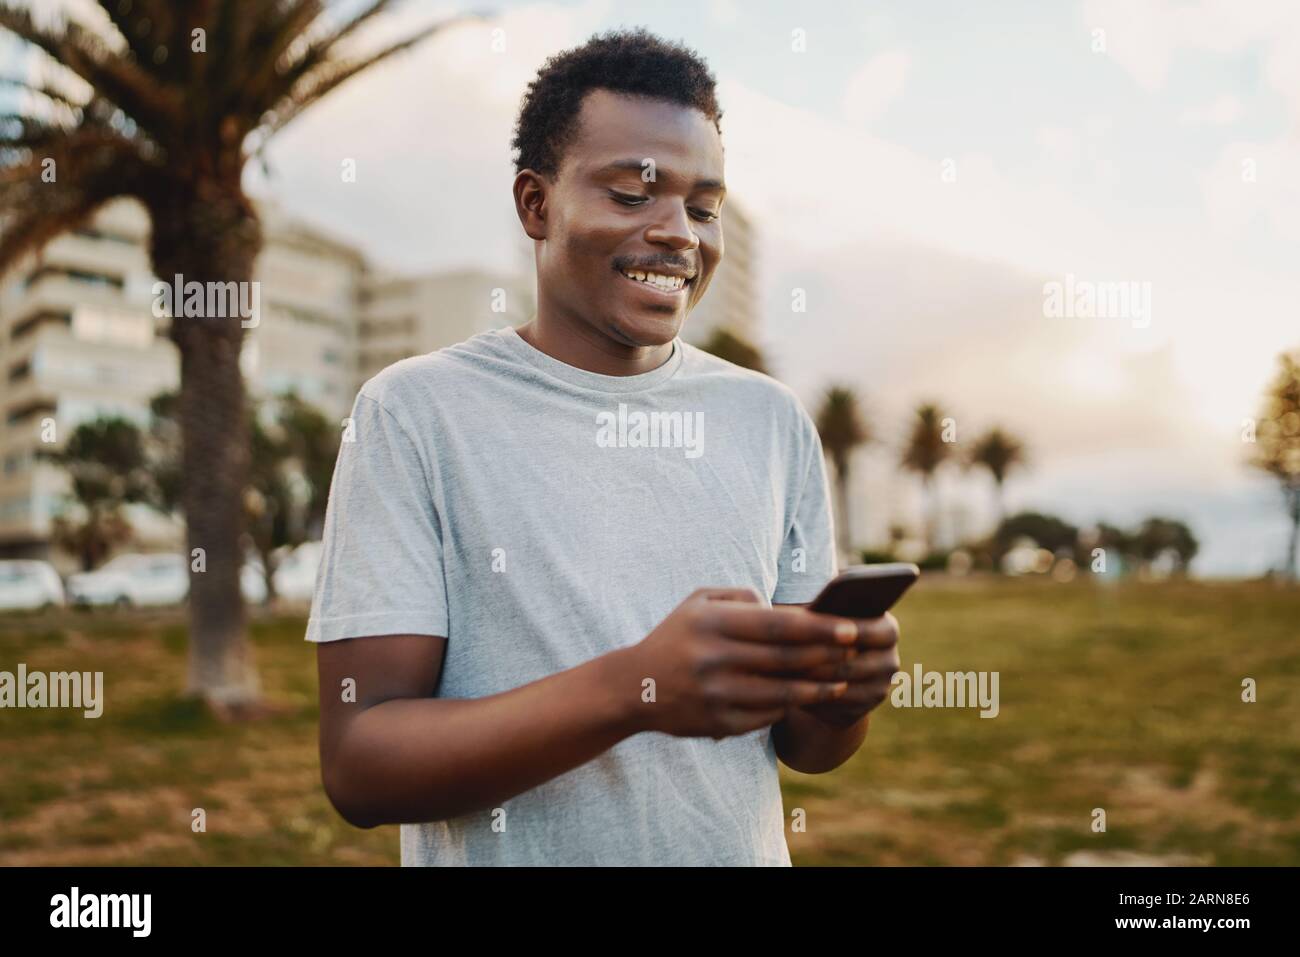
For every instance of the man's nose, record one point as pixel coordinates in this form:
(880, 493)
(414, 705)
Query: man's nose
(673, 228)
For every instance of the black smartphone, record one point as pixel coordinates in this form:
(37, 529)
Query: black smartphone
(865, 591)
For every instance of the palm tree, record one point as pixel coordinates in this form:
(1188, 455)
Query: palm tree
(166, 102)
(923, 453)
(842, 428)
(998, 452)
(725, 344)
(1277, 448)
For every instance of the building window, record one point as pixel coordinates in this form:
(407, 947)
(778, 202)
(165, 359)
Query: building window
(388, 327)
(90, 232)
(16, 507)
(28, 409)
(76, 275)
(308, 316)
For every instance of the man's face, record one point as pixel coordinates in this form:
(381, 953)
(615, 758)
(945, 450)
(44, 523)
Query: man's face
(608, 216)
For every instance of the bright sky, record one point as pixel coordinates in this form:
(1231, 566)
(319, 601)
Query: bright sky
(1111, 140)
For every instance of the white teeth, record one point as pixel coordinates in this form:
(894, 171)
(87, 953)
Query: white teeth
(669, 283)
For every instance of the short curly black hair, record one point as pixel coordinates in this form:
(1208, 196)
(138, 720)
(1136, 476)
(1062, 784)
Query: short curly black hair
(634, 62)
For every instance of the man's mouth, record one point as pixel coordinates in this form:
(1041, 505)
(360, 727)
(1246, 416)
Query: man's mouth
(660, 282)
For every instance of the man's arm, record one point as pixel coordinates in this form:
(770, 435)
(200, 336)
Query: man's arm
(393, 754)
(812, 745)
(398, 755)
(819, 738)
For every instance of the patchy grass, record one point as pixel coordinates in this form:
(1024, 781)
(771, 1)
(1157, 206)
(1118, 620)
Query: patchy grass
(1123, 698)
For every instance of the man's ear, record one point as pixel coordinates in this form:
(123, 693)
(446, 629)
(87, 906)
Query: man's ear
(532, 191)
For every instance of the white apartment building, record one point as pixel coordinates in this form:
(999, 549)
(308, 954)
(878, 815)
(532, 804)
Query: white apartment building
(731, 301)
(79, 339)
(410, 315)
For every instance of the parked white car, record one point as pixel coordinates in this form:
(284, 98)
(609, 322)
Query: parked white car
(252, 581)
(295, 576)
(27, 584)
(132, 580)
(149, 580)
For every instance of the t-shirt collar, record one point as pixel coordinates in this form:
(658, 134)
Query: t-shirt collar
(591, 380)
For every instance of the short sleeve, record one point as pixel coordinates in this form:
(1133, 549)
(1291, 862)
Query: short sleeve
(381, 569)
(807, 561)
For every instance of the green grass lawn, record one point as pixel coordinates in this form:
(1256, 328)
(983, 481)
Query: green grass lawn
(1125, 698)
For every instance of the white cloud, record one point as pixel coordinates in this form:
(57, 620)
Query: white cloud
(725, 12)
(876, 85)
(1145, 38)
(1062, 146)
(1254, 183)
(1222, 110)
(778, 153)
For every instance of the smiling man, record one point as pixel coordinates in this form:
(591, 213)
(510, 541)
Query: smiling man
(548, 613)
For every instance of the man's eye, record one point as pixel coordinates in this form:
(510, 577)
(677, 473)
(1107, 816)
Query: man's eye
(703, 215)
(627, 199)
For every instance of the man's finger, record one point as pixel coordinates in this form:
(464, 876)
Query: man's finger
(792, 660)
(865, 693)
(879, 632)
(757, 692)
(784, 624)
(880, 663)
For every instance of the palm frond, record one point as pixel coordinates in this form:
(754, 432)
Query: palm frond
(164, 119)
(49, 94)
(88, 56)
(332, 74)
(138, 24)
(92, 166)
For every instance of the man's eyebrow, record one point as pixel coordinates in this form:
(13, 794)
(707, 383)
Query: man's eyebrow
(637, 166)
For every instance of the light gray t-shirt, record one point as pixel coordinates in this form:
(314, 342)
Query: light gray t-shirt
(538, 515)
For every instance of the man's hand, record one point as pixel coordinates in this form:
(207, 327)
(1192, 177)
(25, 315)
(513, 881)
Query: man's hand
(869, 673)
(724, 665)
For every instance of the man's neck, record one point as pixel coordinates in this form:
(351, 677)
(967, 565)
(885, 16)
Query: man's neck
(583, 348)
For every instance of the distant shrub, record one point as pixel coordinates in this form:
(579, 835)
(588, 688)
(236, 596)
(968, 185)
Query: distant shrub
(871, 557)
(934, 562)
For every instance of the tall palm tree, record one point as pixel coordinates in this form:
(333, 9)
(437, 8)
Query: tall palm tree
(725, 344)
(842, 428)
(1277, 448)
(999, 452)
(165, 102)
(923, 453)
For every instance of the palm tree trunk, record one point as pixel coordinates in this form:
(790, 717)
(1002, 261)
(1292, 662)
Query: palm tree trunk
(842, 494)
(215, 462)
(932, 509)
(212, 238)
(1294, 544)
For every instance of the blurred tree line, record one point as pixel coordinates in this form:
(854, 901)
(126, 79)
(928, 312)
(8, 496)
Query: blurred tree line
(929, 445)
(113, 463)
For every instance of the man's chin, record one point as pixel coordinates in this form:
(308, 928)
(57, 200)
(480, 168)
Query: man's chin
(646, 332)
